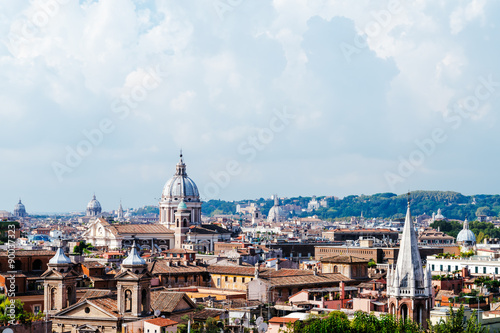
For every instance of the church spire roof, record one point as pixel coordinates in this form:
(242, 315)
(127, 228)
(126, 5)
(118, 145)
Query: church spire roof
(133, 259)
(409, 272)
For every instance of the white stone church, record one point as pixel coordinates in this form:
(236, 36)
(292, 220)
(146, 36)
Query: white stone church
(180, 222)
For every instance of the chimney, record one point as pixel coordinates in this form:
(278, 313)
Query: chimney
(315, 271)
(465, 272)
(277, 266)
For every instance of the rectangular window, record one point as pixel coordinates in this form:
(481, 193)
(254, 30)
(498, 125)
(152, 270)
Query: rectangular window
(242, 280)
(476, 270)
(484, 270)
(456, 268)
(496, 270)
(226, 278)
(218, 282)
(36, 309)
(441, 268)
(280, 292)
(449, 268)
(432, 267)
(234, 279)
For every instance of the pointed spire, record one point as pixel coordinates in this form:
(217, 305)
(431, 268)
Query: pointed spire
(409, 273)
(60, 258)
(133, 258)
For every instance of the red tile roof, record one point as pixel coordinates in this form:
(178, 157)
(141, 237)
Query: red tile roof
(162, 322)
(282, 320)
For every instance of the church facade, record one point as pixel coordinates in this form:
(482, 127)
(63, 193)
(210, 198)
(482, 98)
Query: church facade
(179, 223)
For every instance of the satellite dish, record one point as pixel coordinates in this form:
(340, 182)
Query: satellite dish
(262, 328)
(237, 321)
(259, 321)
(157, 313)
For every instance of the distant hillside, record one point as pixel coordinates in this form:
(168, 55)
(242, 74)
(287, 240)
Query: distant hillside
(453, 205)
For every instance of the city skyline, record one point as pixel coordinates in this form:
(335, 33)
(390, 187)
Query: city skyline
(299, 98)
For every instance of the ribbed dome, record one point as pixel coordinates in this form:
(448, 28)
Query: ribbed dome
(93, 204)
(466, 235)
(93, 207)
(180, 185)
(20, 210)
(20, 206)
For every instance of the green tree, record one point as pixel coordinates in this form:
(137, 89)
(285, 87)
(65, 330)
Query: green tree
(456, 323)
(484, 211)
(211, 326)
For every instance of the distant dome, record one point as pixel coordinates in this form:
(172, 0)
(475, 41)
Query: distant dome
(466, 236)
(180, 186)
(276, 213)
(20, 210)
(94, 207)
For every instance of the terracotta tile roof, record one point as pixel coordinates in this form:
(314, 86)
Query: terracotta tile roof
(95, 293)
(308, 280)
(282, 320)
(231, 270)
(207, 313)
(29, 253)
(107, 303)
(179, 251)
(162, 322)
(447, 293)
(141, 229)
(344, 259)
(161, 267)
(92, 264)
(167, 301)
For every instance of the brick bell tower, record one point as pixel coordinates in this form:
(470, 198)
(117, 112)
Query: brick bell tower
(408, 286)
(59, 283)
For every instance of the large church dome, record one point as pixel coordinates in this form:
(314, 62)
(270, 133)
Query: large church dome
(466, 236)
(20, 210)
(276, 213)
(94, 207)
(180, 186)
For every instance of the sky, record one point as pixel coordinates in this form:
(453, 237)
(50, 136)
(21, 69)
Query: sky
(311, 97)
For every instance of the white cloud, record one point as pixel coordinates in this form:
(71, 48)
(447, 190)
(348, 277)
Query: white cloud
(223, 79)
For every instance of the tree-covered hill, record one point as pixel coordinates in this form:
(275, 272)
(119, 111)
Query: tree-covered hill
(453, 205)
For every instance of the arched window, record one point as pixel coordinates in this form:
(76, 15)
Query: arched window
(128, 301)
(177, 223)
(335, 269)
(185, 223)
(53, 298)
(18, 265)
(68, 296)
(144, 301)
(403, 312)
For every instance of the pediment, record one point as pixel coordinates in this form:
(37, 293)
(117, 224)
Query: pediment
(85, 310)
(132, 275)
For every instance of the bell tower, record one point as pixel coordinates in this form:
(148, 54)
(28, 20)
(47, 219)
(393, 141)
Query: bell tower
(182, 223)
(408, 285)
(59, 283)
(134, 286)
